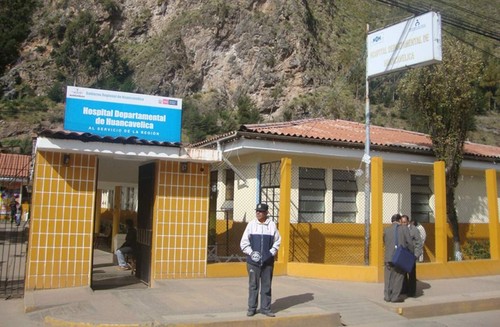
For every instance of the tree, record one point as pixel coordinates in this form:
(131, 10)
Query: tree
(197, 125)
(89, 56)
(247, 110)
(490, 83)
(444, 99)
(15, 22)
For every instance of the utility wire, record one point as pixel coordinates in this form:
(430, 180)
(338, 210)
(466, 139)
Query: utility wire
(461, 39)
(468, 11)
(445, 17)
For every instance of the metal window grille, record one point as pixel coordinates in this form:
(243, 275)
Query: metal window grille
(270, 176)
(312, 188)
(107, 199)
(420, 197)
(129, 199)
(344, 193)
(229, 185)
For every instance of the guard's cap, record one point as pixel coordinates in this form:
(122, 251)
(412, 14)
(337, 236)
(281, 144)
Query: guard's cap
(261, 207)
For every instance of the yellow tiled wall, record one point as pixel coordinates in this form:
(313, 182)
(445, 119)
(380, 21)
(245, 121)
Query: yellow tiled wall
(60, 243)
(181, 220)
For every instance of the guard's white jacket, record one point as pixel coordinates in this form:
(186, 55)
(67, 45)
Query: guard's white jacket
(260, 242)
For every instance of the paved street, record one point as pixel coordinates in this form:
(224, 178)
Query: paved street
(215, 302)
(118, 299)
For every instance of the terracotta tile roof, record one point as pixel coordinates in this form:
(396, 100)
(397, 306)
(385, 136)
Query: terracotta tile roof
(347, 132)
(342, 130)
(14, 165)
(335, 130)
(482, 150)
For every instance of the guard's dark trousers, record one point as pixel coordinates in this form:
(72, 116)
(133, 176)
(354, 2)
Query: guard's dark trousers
(259, 277)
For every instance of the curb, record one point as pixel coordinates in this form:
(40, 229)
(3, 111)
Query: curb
(320, 318)
(317, 319)
(448, 308)
(56, 322)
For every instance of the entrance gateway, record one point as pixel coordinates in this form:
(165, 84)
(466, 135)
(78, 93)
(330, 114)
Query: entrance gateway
(172, 217)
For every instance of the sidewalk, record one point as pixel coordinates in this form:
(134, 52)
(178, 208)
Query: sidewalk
(222, 302)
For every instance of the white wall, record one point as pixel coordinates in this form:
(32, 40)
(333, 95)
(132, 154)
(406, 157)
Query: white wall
(470, 198)
(471, 192)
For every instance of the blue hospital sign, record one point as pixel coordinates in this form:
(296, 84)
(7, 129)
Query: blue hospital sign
(121, 114)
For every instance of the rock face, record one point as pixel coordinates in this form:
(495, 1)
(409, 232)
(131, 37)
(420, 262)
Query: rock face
(255, 48)
(291, 58)
(270, 50)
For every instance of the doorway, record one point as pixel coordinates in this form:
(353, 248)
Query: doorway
(117, 200)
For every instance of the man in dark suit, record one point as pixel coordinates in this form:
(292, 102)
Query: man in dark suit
(394, 277)
(410, 281)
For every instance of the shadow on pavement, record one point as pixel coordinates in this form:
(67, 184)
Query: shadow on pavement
(117, 282)
(105, 276)
(421, 286)
(290, 301)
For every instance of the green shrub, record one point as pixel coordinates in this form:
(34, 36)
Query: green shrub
(476, 249)
(111, 7)
(23, 145)
(56, 92)
(15, 22)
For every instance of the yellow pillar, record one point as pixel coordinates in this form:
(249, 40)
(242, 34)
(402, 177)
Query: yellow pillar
(492, 193)
(98, 198)
(284, 214)
(440, 224)
(116, 216)
(376, 226)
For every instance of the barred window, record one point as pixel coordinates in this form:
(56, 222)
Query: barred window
(270, 176)
(420, 197)
(129, 199)
(345, 190)
(312, 188)
(229, 185)
(107, 199)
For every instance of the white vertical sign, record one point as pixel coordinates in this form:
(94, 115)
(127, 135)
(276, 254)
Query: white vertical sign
(414, 42)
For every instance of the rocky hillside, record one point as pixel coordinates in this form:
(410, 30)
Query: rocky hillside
(284, 58)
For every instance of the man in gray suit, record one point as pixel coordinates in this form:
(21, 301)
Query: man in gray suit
(410, 281)
(394, 277)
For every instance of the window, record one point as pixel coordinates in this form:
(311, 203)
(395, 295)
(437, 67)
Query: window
(270, 187)
(312, 189)
(345, 190)
(107, 199)
(228, 204)
(420, 196)
(229, 185)
(129, 199)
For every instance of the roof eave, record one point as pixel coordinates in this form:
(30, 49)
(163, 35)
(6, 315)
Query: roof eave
(338, 143)
(416, 149)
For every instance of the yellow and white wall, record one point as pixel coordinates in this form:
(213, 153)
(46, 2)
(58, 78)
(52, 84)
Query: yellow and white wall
(61, 222)
(481, 222)
(63, 217)
(180, 221)
(63, 211)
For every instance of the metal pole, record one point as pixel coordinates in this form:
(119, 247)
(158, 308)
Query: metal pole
(226, 214)
(366, 160)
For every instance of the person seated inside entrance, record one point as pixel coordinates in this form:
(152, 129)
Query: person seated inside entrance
(128, 247)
